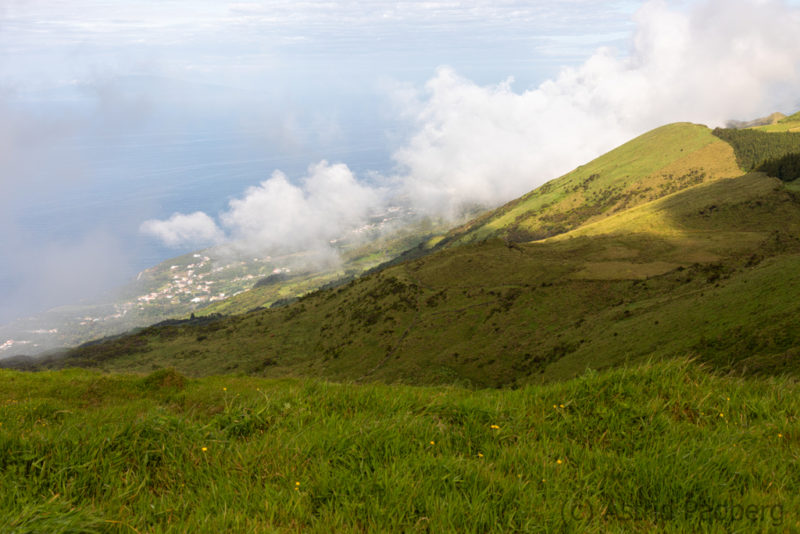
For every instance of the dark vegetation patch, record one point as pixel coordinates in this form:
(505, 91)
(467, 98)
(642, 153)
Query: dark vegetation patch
(273, 279)
(774, 153)
(192, 321)
(751, 349)
(282, 303)
(411, 254)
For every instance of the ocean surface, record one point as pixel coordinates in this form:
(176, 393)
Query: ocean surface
(94, 183)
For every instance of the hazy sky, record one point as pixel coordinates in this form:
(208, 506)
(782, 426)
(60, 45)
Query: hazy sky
(247, 44)
(128, 127)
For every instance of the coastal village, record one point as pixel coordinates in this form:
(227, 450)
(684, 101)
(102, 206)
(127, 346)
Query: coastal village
(173, 288)
(190, 283)
(170, 289)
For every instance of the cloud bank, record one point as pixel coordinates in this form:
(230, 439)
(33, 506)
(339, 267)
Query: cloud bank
(719, 60)
(196, 228)
(61, 271)
(711, 62)
(280, 217)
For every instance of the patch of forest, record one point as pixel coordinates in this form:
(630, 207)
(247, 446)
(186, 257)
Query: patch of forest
(774, 153)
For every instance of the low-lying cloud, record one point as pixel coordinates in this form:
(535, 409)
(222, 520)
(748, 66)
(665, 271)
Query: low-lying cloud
(195, 229)
(62, 271)
(708, 63)
(717, 61)
(278, 216)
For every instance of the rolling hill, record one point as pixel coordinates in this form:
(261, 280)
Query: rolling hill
(663, 247)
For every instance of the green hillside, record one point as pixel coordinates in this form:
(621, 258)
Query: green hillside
(355, 259)
(712, 271)
(708, 269)
(655, 164)
(658, 448)
(788, 124)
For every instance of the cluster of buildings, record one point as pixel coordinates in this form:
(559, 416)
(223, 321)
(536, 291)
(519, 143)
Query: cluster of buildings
(186, 285)
(180, 288)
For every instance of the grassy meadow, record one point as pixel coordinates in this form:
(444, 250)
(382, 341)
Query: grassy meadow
(665, 447)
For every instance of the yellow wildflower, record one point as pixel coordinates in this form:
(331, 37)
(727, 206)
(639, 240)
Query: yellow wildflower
(558, 461)
(496, 427)
(204, 449)
(480, 455)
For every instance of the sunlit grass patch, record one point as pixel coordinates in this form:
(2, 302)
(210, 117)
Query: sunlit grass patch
(606, 451)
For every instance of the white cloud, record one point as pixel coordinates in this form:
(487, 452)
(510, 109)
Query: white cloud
(196, 229)
(716, 61)
(278, 216)
(236, 43)
(473, 144)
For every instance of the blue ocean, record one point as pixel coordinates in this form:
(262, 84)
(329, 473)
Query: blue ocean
(107, 179)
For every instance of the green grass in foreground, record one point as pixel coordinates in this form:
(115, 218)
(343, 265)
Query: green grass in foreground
(664, 447)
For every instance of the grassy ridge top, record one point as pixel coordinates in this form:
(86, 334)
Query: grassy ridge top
(788, 124)
(659, 162)
(688, 213)
(664, 447)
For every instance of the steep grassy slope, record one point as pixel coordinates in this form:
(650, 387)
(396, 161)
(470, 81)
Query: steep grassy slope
(661, 448)
(657, 163)
(713, 270)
